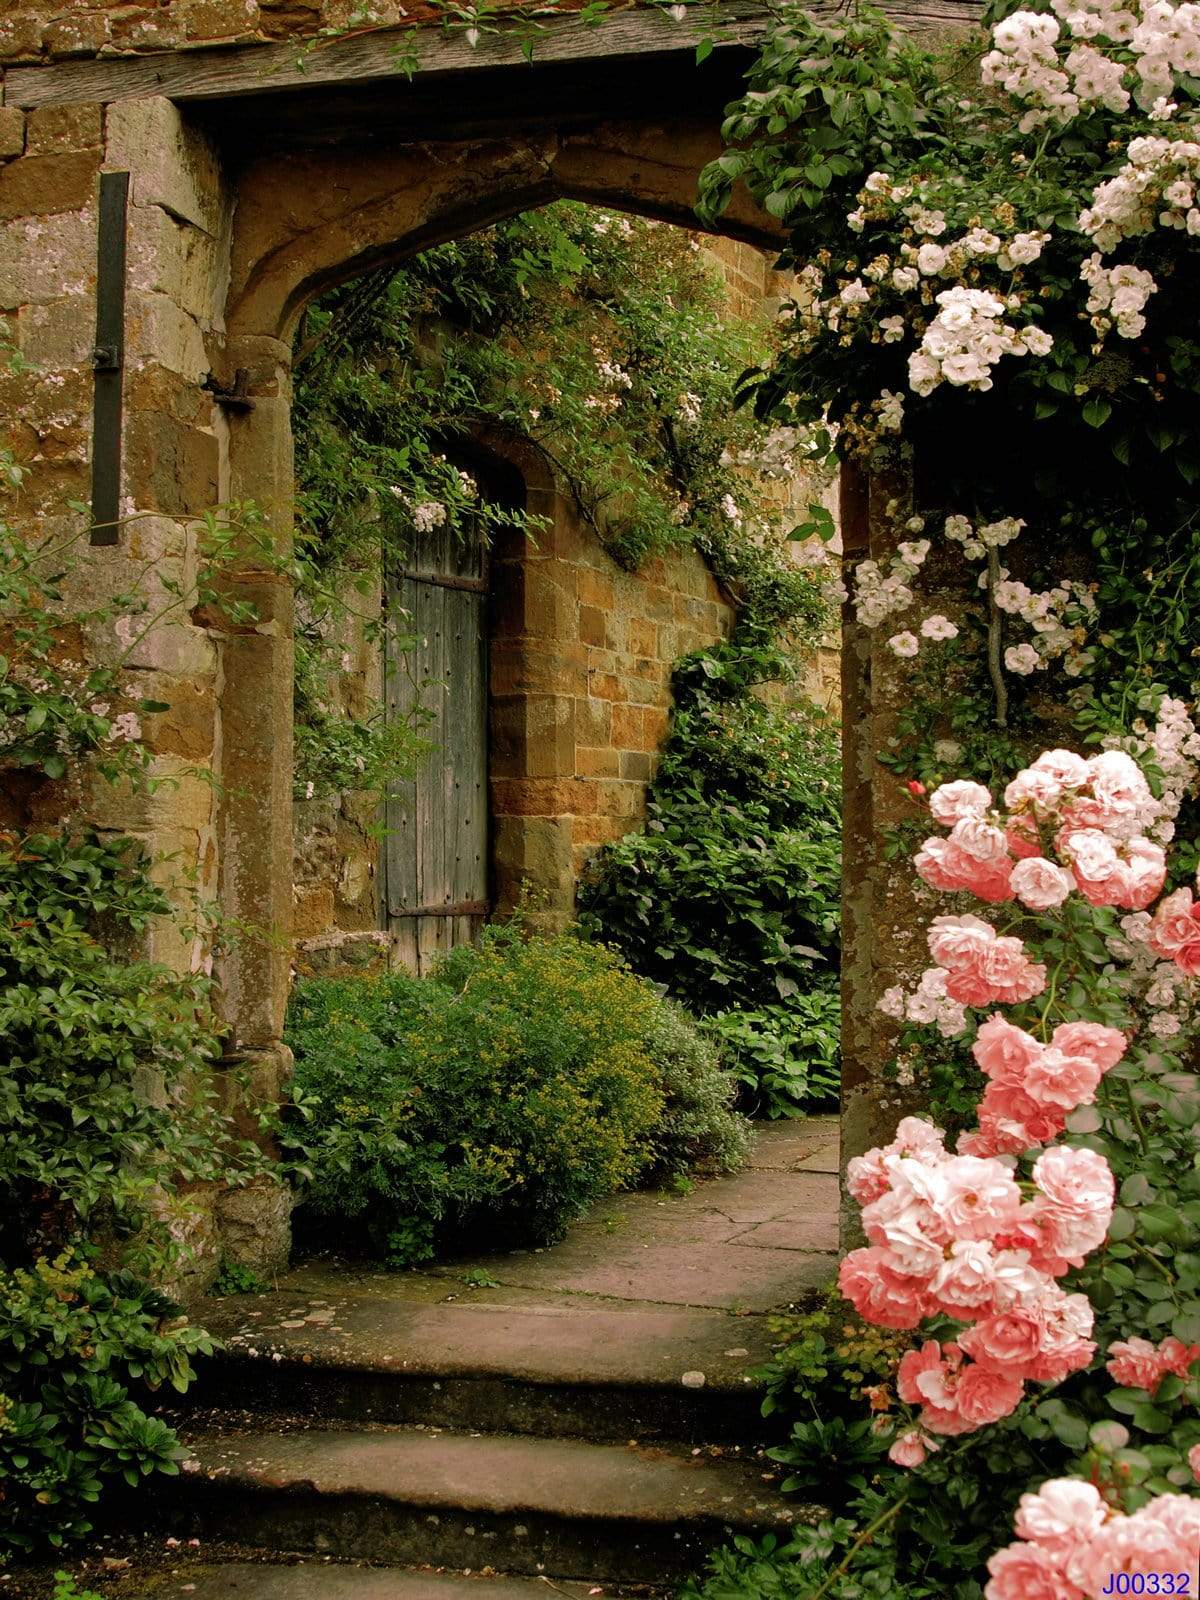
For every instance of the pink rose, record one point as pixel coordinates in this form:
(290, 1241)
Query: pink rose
(1134, 1364)
(880, 1294)
(1001, 972)
(1026, 1572)
(867, 1177)
(955, 942)
(1105, 1046)
(1118, 784)
(980, 1197)
(1175, 931)
(965, 1285)
(1060, 1080)
(911, 1448)
(1033, 790)
(1066, 1323)
(981, 841)
(1194, 1461)
(1178, 1357)
(1098, 868)
(983, 1395)
(1008, 1342)
(1004, 1052)
(1039, 884)
(1163, 1536)
(1062, 1516)
(913, 1365)
(1075, 1178)
(1145, 873)
(950, 802)
(944, 865)
(1008, 1114)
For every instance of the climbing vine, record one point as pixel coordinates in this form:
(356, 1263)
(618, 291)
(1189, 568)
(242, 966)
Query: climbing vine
(606, 342)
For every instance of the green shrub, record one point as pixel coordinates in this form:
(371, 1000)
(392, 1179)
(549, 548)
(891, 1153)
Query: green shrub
(105, 1061)
(78, 1350)
(730, 897)
(788, 1054)
(699, 1130)
(503, 1096)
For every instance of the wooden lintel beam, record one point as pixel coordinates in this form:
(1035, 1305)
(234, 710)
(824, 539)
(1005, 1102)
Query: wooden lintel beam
(211, 74)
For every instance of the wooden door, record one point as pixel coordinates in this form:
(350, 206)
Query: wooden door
(436, 848)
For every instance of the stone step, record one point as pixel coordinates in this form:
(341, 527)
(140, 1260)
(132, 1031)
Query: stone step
(413, 1497)
(309, 1580)
(553, 1369)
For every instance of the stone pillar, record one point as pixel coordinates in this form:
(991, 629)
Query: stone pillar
(884, 910)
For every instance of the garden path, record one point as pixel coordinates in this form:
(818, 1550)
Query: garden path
(584, 1411)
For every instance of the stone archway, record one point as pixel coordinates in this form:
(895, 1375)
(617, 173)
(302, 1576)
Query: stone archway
(297, 227)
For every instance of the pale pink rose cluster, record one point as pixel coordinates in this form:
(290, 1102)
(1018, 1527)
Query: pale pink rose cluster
(982, 967)
(1175, 930)
(1032, 1087)
(1138, 1364)
(951, 1235)
(1089, 813)
(1072, 1544)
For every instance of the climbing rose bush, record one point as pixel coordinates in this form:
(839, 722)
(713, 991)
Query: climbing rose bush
(1073, 1545)
(979, 1244)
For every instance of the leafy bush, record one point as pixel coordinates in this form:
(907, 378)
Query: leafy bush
(104, 1060)
(788, 1054)
(503, 1095)
(104, 1106)
(78, 1349)
(731, 895)
(698, 1128)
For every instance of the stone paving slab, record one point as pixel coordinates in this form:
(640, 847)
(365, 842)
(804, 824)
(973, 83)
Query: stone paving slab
(315, 1580)
(496, 1475)
(750, 1242)
(561, 1343)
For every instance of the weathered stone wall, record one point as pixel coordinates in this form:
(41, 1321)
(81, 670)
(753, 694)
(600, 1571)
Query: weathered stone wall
(32, 30)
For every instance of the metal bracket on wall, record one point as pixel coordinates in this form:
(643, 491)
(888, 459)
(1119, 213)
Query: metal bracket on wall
(235, 399)
(108, 358)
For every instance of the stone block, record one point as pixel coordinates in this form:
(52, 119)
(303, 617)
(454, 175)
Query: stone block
(543, 797)
(170, 467)
(594, 721)
(46, 258)
(592, 625)
(637, 765)
(172, 165)
(53, 129)
(172, 257)
(12, 132)
(42, 186)
(596, 762)
(533, 850)
(58, 334)
(160, 333)
(655, 721)
(255, 1226)
(189, 727)
(80, 33)
(313, 912)
(594, 589)
(642, 637)
(627, 725)
(605, 686)
(617, 798)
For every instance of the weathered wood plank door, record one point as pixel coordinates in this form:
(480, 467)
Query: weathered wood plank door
(436, 851)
